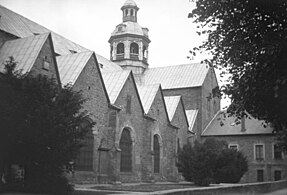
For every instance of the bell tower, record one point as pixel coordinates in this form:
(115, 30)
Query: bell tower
(129, 41)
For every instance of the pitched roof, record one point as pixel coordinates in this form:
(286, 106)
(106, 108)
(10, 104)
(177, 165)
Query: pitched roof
(180, 76)
(171, 103)
(20, 26)
(220, 126)
(147, 94)
(114, 82)
(70, 66)
(191, 117)
(24, 51)
(107, 65)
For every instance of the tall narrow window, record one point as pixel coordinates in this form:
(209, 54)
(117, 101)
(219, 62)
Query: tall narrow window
(277, 152)
(120, 48)
(129, 102)
(260, 175)
(112, 118)
(156, 150)
(84, 160)
(259, 152)
(132, 12)
(126, 151)
(134, 48)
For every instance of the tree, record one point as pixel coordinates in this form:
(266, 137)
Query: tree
(248, 42)
(40, 128)
(211, 161)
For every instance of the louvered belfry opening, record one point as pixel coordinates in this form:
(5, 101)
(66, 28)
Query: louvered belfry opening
(126, 151)
(156, 150)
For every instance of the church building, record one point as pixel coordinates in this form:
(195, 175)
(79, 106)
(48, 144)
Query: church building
(143, 115)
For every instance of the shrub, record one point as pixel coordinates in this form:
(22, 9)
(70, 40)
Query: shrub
(210, 162)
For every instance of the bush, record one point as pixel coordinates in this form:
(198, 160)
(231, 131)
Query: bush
(211, 162)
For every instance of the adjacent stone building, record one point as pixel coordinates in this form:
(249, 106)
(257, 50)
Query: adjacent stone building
(265, 159)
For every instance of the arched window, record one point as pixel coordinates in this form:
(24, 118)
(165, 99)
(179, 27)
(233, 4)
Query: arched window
(126, 153)
(84, 160)
(120, 48)
(134, 48)
(156, 150)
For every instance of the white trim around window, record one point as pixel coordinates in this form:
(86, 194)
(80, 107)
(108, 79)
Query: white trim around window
(263, 152)
(233, 146)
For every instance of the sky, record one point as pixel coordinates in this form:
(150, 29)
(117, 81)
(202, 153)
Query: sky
(90, 23)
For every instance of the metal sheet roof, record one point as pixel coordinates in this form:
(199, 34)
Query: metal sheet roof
(70, 66)
(20, 26)
(114, 82)
(107, 65)
(191, 117)
(147, 94)
(229, 126)
(24, 51)
(130, 28)
(180, 76)
(171, 103)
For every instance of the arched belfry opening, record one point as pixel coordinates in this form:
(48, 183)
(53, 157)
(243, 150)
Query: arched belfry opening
(126, 151)
(129, 41)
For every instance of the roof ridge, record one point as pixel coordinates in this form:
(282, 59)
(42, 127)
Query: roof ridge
(188, 64)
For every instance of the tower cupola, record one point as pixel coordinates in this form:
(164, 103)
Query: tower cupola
(130, 10)
(129, 41)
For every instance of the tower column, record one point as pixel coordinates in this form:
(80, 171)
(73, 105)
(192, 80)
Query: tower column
(127, 49)
(140, 50)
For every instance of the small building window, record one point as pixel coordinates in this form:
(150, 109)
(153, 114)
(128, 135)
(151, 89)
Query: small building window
(126, 151)
(259, 152)
(278, 154)
(120, 48)
(156, 150)
(127, 12)
(260, 175)
(233, 146)
(134, 48)
(132, 12)
(277, 175)
(46, 63)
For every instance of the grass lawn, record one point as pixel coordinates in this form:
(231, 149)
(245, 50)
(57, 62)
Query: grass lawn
(145, 187)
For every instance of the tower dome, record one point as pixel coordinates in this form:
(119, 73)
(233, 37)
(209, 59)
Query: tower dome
(129, 41)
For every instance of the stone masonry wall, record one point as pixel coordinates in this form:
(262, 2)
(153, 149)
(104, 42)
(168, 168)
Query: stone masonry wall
(192, 100)
(210, 104)
(90, 83)
(168, 135)
(179, 120)
(135, 122)
(46, 54)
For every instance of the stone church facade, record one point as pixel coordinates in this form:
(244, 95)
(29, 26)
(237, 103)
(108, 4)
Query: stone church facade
(143, 115)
